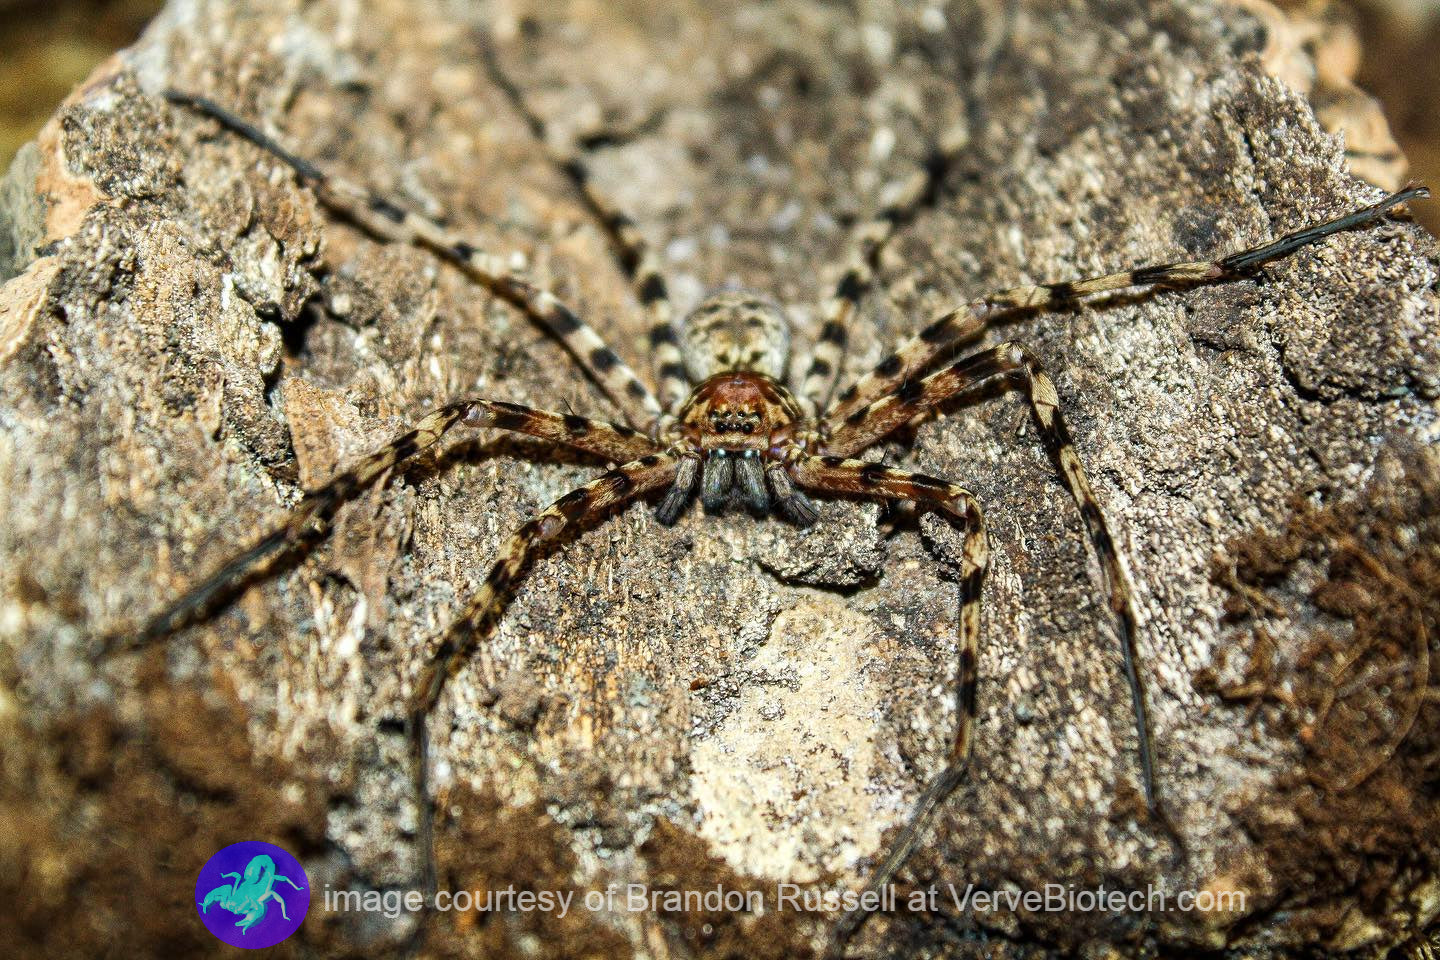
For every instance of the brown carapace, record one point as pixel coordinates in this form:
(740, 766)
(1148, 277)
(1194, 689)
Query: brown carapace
(740, 425)
(739, 435)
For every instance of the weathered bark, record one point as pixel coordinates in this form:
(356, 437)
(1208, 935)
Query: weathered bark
(187, 339)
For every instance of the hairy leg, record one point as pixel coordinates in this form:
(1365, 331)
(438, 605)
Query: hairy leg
(310, 519)
(867, 241)
(477, 621)
(1014, 360)
(636, 257)
(390, 221)
(837, 475)
(968, 321)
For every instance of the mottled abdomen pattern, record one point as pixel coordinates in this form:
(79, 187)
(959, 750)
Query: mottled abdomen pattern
(736, 331)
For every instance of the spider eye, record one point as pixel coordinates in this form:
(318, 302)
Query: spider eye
(748, 428)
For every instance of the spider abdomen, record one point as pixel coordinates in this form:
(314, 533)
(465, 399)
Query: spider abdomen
(736, 332)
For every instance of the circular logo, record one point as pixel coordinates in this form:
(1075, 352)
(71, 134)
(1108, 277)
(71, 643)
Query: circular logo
(252, 894)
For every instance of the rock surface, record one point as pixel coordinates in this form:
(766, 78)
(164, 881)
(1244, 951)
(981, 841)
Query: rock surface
(188, 340)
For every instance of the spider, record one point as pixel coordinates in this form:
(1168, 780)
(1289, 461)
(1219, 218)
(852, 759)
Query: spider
(723, 426)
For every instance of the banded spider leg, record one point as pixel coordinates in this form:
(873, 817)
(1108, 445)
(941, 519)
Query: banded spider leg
(636, 258)
(478, 619)
(867, 243)
(971, 319)
(642, 467)
(390, 221)
(891, 396)
(615, 442)
(870, 424)
(835, 474)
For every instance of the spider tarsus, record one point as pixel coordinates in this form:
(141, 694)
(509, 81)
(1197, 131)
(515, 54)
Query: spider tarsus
(1141, 710)
(1160, 813)
(211, 595)
(921, 818)
(238, 125)
(1247, 261)
(424, 824)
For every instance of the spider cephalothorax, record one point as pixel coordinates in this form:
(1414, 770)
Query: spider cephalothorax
(736, 436)
(740, 425)
(738, 433)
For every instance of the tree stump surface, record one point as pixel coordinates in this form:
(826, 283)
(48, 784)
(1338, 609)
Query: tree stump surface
(188, 340)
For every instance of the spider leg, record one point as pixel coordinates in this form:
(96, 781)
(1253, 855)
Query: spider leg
(837, 475)
(867, 241)
(635, 256)
(968, 321)
(390, 221)
(310, 519)
(913, 397)
(1050, 295)
(477, 621)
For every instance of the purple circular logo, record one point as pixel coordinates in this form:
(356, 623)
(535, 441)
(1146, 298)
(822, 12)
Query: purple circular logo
(252, 894)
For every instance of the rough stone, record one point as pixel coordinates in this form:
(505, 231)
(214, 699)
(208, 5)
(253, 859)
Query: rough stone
(188, 339)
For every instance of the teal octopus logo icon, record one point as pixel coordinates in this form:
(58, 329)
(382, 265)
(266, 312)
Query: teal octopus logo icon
(252, 894)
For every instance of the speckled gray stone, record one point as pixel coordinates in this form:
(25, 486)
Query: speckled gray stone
(194, 337)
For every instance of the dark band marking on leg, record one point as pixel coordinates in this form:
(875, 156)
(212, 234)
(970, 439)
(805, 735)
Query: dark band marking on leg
(385, 208)
(653, 290)
(851, 287)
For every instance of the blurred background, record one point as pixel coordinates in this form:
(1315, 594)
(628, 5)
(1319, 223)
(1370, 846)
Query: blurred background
(1370, 68)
